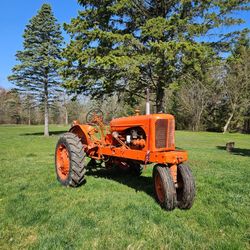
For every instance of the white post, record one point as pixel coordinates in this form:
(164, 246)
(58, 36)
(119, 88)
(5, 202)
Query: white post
(147, 103)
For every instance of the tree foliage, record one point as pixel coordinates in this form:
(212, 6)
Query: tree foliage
(9, 106)
(128, 45)
(37, 71)
(237, 82)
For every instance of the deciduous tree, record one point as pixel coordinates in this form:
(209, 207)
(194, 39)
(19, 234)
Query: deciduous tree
(237, 82)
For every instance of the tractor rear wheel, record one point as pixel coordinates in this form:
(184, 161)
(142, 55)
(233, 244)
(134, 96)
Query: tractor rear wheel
(128, 167)
(135, 168)
(186, 187)
(164, 187)
(69, 160)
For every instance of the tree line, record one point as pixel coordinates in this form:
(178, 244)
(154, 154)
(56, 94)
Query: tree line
(119, 48)
(19, 108)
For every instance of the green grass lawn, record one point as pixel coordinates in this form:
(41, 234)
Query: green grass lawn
(119, 212)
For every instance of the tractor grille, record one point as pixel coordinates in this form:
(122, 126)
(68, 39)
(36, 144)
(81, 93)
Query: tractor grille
(161, 127)
(164, 133)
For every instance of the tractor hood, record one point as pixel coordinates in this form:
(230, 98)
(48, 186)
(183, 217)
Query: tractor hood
(123, 123)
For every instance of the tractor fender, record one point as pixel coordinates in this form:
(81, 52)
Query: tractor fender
(82, 131)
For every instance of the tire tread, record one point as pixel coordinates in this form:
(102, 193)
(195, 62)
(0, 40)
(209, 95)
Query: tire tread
(77, 157)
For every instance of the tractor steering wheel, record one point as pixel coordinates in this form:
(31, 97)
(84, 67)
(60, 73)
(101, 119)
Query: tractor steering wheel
(92, 114)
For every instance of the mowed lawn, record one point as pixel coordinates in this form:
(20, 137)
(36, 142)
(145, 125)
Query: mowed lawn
(119, 212)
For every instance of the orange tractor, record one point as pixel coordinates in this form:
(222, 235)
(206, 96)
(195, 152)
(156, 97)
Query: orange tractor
(128, 143)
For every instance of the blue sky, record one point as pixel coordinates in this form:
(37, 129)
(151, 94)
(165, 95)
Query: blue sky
(15, 14)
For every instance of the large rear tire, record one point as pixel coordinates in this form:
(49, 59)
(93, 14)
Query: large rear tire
(135, 168)
(69, 160)
(164, 187)
(186, 187)
(125, 166)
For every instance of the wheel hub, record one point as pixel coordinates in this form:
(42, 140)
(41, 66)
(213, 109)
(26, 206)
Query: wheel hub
(63, 162)
(159, 188)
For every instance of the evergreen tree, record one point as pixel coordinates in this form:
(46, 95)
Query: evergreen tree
(37, 72)
(128, 45)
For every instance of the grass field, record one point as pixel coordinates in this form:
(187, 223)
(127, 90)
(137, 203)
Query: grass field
(119, 212)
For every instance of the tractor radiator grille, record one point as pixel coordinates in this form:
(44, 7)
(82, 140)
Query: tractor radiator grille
(164, 133)
(161, 127)
(170, 138)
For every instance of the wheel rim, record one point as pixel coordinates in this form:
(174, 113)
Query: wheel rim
(159, 188)
(62, 162)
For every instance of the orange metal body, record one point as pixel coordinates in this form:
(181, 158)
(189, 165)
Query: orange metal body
(147, 123)
(157, 129)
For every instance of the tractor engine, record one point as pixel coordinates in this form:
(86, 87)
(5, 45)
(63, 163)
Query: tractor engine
(144, 132)
(135, 138)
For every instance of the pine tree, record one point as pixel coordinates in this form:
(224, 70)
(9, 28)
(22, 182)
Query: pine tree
(37, 71)
(128, 45)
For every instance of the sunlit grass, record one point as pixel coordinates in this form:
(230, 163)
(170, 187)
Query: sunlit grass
(119, 212)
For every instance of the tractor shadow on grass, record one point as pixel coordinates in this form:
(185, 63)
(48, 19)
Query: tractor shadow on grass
(236, 151)
(138, 183)
(51, 133)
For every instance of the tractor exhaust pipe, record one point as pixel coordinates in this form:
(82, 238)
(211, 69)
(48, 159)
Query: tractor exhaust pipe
(147, 103)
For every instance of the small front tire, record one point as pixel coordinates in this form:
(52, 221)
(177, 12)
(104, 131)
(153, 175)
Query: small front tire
(186, 187)
(164, 187)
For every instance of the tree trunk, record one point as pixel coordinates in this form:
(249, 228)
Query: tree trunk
(198, 120)
(46, 110)
(66, 116)
(29, 117)
(227, 124)
(159, 99)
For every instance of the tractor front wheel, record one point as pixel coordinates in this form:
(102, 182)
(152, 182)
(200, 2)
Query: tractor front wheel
(69, 160)
(164, 187)
(186, 187)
